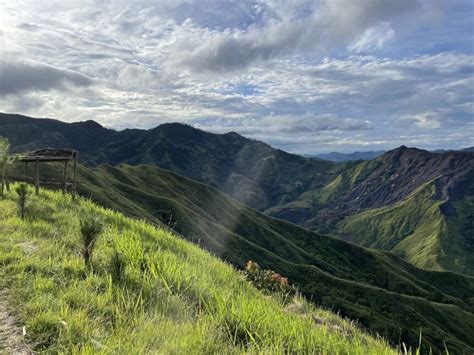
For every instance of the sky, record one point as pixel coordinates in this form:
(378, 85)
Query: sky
(304, 76)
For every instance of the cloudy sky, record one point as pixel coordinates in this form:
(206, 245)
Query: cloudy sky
(305, 76)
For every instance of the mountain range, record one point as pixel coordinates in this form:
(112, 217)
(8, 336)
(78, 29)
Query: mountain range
(250, 171)
(369, 155)
(369, 202)
(415, 204)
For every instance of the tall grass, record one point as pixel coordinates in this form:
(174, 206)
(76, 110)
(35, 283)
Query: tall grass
(149, 292)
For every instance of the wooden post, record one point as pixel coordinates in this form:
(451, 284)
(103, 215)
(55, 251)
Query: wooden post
(25, 172)
(65, 176)
(74, 181)
(37, 181)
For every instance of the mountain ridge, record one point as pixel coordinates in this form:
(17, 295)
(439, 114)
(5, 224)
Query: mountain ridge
(249, 170)
(369, 155)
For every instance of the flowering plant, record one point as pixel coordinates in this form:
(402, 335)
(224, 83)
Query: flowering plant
(267, 279)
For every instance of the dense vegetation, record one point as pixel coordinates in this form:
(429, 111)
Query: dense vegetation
(385, 294)
(171, 296)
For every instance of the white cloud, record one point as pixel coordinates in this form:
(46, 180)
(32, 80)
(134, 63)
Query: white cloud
(373, 38)
(426, 119)
(281, 71)
(334, 24)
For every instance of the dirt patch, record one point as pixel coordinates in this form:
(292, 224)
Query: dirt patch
(11, 334)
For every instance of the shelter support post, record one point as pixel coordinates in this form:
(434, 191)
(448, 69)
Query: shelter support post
(65, 177)
(37, 181)
(74, 181)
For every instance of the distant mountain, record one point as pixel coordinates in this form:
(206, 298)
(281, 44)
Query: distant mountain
(442, 151)
(386, 294)
(413, 202)
(250, 171)
(340, 157)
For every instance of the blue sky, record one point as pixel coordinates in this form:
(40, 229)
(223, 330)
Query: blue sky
(304, 76)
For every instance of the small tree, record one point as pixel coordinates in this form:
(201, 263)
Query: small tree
(91, 228)
(23, 192)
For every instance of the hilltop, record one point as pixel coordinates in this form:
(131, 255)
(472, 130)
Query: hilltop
(168, 296)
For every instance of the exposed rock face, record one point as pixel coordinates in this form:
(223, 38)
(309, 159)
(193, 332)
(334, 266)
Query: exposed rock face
(384, 181)
(403, 170)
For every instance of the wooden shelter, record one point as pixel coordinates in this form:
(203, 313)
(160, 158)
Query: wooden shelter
(50, 155)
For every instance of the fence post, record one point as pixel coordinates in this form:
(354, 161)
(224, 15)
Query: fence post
(37, 182)
(65, 177)
(74, 182)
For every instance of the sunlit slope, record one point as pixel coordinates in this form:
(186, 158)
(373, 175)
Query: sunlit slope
(417, 230)
(172, 297)
(412, 202)
(387, 295)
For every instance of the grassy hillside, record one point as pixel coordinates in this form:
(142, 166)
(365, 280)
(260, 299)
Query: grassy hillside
(171, 296)
(417, 230)
(409, 201)
(385, 294)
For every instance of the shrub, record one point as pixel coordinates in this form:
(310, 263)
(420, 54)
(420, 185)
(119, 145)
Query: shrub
(23, 192)
(91, 228)
(267, 280)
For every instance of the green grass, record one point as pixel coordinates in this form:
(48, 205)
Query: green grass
(460, 232)
(183, 301)
(345, 181)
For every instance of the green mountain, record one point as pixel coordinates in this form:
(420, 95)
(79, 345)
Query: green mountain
(250, 171)
(412, 202)
(385, 294)
(164, 295)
